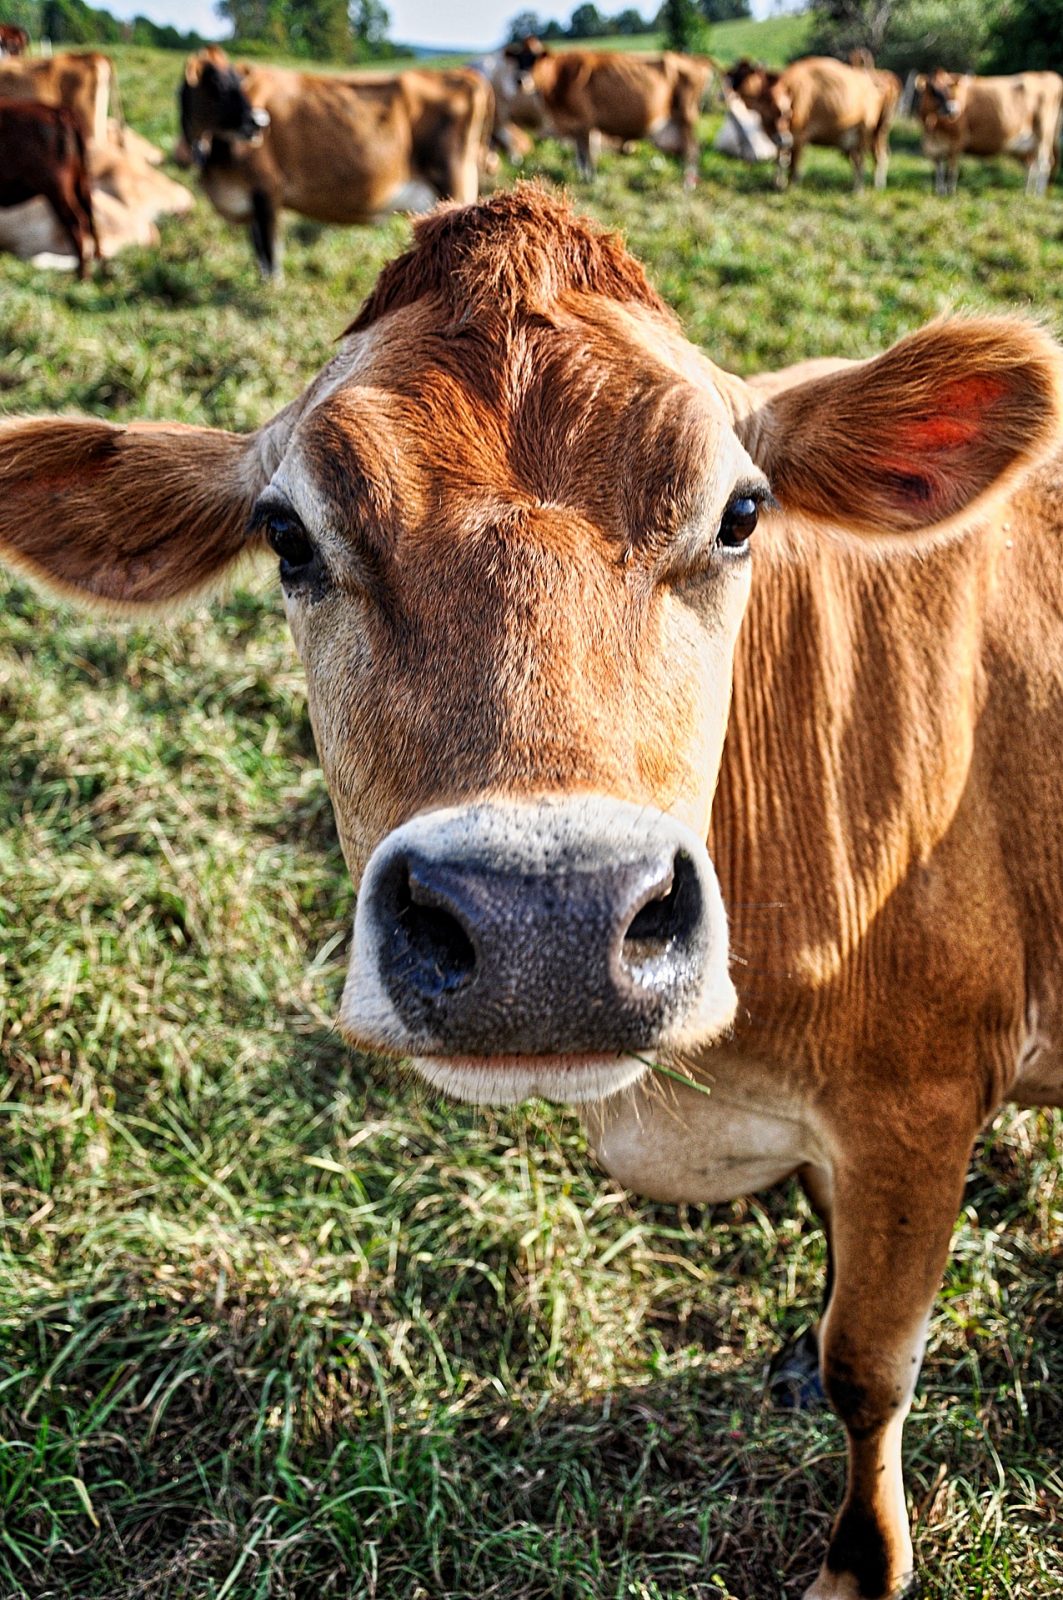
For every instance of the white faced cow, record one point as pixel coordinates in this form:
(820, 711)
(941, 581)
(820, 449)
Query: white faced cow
(516, 525)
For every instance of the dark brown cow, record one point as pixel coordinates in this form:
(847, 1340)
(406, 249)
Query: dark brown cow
(82, 81)
(341, 149)
(1020, 116)
(589, 93)
(14, 41)
(516, 522)
(824, 102)
(42, 152)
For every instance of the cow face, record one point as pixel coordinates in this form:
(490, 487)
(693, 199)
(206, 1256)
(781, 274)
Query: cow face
(523, 57)
(213, 103)
(942, 100)
(766, 94)
(515, 521)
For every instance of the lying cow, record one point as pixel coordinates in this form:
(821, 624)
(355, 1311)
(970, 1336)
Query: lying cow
(516, 519)
(42, 155)
(128, 194)
(339, 149)
(821, 101)
(82, 81)
(1020, 116)
(588, 93)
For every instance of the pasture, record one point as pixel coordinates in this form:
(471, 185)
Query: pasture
(273, 1321)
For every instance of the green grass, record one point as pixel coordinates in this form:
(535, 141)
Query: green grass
(273, 1322)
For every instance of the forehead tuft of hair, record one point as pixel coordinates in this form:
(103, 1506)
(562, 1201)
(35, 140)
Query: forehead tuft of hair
(517, 252)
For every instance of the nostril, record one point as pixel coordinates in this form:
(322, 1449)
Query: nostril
(431, 949)
(666, 922)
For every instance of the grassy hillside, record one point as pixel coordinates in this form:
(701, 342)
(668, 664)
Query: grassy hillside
(273, 1321)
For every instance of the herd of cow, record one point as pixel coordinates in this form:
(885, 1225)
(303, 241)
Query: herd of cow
(350, 148)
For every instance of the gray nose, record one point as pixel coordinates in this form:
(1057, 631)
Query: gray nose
(541, 928)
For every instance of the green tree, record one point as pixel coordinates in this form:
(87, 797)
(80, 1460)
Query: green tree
(903, 34)
(682, 25)
(371, 22)
(587, 22)
(525, 25)
(724, 10)
(628, 22)
(1026, 36)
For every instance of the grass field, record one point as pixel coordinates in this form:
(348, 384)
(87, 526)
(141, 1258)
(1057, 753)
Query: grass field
(273, 1322)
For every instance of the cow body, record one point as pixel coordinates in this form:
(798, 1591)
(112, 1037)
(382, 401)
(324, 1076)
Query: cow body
(588, 94)
(80, 81)
(516, 524)
(821, 101)
(1020, 116)
(343, 149)
(42, 154)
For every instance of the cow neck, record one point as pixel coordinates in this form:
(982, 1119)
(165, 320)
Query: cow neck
(857, 687)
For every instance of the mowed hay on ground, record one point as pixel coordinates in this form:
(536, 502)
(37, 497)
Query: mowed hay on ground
(275, 1323)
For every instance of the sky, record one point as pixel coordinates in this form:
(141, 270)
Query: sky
(462, 23)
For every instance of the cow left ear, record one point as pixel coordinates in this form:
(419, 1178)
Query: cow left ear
(918, 437)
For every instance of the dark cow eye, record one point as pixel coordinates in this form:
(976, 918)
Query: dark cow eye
(738, 522)
(287, 536)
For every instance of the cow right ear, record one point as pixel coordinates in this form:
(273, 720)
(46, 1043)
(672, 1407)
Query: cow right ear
(125, 518)
(919, 82)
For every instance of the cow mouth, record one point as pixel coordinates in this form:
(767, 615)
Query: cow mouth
(505, 1080)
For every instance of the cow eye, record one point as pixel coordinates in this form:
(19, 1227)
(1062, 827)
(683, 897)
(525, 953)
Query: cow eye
(287, 536)
(738, 522)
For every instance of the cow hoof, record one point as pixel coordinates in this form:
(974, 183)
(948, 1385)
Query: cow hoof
(793, 1382)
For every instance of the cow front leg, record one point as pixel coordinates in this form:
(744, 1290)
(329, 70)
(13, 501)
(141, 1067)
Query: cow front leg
(588, 144)
(891, 1219)
(264, 233)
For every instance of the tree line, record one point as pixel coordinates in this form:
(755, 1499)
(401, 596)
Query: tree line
(338, 30)
(682, 21)
(961, 35)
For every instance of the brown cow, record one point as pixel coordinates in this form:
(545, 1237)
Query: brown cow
(822, 101)
(42, 153)
(515, 520)
(81, 81)
(1020, 116)
(339, 149)
(590, 93)
(14, 41)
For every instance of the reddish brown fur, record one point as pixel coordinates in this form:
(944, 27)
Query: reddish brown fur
(516, 514)
(42, 153)
(14, 41)
(74, 80)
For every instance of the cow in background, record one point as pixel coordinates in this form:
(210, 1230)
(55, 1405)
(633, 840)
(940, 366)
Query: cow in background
(14, 41)
(346, 148)
(586, 94)
(821, 101)
(82, 81)
(43, 154)
(1020, 115)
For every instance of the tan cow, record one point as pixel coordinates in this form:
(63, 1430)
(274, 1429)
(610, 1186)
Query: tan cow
(590, 93)
(824, 102)
(1020, 116)
(516, 525)
(82, 81)
(339, 148)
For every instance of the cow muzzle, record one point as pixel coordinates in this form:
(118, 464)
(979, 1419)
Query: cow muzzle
(541, 947)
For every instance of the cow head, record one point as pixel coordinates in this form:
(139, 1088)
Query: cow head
(515, 520)
(213, 104)
(765, 93)
(523, 56)
(942, 99)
